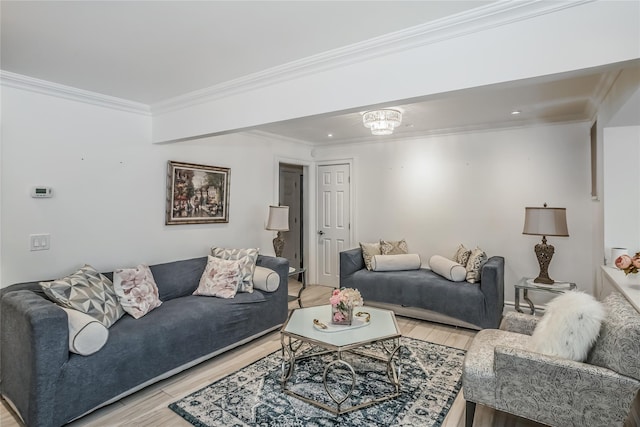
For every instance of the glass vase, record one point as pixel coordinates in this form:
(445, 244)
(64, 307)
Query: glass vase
(341, 315)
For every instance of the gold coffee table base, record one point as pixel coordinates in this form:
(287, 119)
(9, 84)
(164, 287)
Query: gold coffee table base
(295, 337)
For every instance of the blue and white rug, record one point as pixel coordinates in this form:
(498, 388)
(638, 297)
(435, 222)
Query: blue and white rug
(431, 378)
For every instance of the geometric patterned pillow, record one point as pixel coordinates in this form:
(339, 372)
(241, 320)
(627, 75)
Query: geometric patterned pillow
(462, 255)
(219, 279)
(247, 260)
(368, 251)
(136, 290)
(394, 247)
(87, 291)
(474, 265)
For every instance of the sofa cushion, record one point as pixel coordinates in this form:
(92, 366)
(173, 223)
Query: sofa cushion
(618, 346)
(368, 251)
(474, 265)
(448, 269)
(178, 278)
(265, 279)
(390, 247)
(220, 278)
(86, 334)
(87, 291)
(462, 255)
(247, 259)
(569, 326)
(136, 290)
(395, 262)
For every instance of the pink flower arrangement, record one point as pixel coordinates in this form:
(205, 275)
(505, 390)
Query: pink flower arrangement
(628, 264)
(343, 300)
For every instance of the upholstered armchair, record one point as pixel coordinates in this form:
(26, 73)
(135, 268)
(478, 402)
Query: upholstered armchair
(501, 372)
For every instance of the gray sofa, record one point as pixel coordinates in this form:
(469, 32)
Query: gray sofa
(49, 386)
(427, 295)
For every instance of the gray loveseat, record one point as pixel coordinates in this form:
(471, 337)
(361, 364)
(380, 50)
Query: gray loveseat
(426, 295)
(50, 386)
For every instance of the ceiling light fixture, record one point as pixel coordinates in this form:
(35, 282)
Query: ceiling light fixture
(515, 112)
(382, 122)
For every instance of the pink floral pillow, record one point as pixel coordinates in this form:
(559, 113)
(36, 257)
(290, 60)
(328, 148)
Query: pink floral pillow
(221, 278)
(136, 290)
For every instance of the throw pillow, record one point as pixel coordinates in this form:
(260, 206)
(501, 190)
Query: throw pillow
(474, 265)
(87, 291)
(448, 269)
(136, 290)
(86, 334)
(265, 279)
(395, 262)
(569, 326)
(220, 278)
(390, 247)
(368, 251)
(462, 255)
(247, 259)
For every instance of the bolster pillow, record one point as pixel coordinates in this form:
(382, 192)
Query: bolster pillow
(265, 279)
(395, 262)
(448, 269)
(86, 334)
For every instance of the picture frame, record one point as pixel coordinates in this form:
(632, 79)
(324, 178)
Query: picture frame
(197, 194)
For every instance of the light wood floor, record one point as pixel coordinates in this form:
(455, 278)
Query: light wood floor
(148, 407)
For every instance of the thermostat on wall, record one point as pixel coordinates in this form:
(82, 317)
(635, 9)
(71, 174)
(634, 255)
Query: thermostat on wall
(40, 192)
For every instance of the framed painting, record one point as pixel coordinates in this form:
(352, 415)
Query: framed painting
(197, 194)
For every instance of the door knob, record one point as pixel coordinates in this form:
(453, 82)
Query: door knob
(321, 232)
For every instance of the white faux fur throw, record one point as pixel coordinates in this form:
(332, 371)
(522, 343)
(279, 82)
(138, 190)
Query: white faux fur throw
(569, 327)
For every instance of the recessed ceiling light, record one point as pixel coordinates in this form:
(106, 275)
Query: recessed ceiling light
(330, 135)
(515, 112)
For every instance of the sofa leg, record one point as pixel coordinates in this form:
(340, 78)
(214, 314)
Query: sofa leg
(469, 413)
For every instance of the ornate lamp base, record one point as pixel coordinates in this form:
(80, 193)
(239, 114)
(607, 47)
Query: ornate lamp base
(278, 244)
(544, 253)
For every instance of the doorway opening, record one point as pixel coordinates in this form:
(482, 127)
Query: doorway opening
(291, 193)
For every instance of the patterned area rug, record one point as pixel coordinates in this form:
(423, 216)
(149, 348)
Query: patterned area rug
(430, 374)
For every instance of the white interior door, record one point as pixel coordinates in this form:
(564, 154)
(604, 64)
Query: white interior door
(334, 201)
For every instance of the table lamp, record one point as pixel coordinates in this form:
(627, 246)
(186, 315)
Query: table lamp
(545, 222)
(278, 221)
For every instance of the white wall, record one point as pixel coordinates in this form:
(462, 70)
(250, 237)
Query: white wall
(109, 185)
(440, 191)
(622, 189)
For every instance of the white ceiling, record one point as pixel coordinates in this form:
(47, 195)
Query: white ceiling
(150, 51)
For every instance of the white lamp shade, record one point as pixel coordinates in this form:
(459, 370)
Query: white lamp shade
(278, 218)
(545, 221)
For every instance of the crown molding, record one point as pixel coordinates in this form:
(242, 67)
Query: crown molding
(475, 20)
(44, 87)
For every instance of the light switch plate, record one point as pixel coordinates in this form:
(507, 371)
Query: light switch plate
(39, 242)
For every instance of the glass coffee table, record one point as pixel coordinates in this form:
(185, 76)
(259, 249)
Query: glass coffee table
(309, 334)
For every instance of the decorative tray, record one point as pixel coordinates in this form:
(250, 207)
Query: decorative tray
(325, 325)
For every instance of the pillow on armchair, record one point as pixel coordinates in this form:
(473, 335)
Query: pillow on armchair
(569, 327)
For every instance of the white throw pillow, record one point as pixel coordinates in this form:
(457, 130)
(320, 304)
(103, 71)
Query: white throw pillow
(265, 279)
(247, 259)
(569, 326)
(136, 290)
(448, 269)
(221, 278)
(395, 262)
(86, 334)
